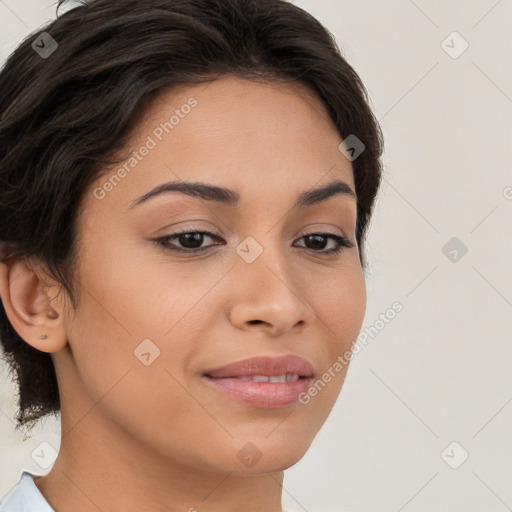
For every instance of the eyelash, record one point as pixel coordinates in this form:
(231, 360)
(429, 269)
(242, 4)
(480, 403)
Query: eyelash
(342, 241)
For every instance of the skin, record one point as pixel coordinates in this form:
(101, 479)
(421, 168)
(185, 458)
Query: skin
(155, 437)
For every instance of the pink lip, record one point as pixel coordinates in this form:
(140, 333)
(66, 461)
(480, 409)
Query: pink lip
(264, 365)
(266, 395)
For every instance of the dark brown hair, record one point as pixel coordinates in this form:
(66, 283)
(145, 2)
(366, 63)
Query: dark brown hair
(63, 115)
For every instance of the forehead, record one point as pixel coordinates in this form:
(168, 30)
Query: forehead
(250, 136)
(238, 115)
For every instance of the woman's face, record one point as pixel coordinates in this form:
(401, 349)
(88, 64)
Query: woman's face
(153, 321)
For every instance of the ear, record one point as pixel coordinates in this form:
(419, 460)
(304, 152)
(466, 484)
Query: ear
(29, 308)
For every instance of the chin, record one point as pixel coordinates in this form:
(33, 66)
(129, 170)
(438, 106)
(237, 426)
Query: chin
(268, 459)
(265, 468)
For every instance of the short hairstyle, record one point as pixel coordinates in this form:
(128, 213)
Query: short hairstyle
(63, 118)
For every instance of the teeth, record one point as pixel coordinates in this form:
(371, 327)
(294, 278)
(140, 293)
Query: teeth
(289, 377)
(260, 378)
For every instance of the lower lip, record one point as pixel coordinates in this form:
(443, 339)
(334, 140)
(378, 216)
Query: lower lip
(266, 395)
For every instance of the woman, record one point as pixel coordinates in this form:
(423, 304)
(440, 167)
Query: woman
(186, 189)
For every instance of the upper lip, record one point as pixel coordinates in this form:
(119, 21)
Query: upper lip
(264, 365)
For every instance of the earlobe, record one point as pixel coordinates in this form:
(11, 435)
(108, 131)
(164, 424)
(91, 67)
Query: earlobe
(28, 307)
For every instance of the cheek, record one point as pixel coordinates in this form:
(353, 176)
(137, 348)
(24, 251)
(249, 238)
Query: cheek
(340, 307)
(114, 316)
(113, 379)
(125, 300)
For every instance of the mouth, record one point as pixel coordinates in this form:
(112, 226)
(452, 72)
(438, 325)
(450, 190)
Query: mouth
(288, 377)
(264, 366)
(266, 382)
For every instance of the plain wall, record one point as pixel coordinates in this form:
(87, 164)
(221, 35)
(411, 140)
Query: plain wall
(439, 371)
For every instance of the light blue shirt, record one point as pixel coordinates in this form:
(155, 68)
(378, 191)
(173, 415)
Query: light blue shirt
(25, 497)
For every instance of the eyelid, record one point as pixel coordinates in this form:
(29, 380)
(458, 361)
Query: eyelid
(194, 229)
(323, 230)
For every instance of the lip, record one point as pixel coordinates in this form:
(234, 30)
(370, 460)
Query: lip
(265, 395)
(264, 365)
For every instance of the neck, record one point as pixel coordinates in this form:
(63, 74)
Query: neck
(101, 467)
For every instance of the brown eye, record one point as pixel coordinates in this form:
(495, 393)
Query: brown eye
(318, 241)
(188, 241)
(191, 240)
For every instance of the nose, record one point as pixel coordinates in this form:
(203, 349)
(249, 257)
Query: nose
(269, 295)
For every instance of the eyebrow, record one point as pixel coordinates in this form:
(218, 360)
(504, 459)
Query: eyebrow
(231, 198)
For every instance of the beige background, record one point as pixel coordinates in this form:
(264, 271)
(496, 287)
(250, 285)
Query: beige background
(440, 370)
